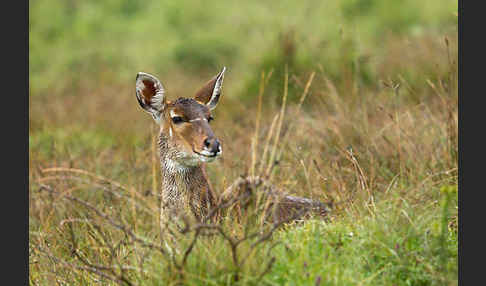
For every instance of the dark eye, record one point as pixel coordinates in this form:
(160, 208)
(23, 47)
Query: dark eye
(177, 119)
(210, 118)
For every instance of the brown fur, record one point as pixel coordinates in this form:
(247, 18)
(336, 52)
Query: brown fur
(149, 90)
(189, 191)
(185, 189)
(183, 150)
(203, 95)
(279, 206)
(188, 135)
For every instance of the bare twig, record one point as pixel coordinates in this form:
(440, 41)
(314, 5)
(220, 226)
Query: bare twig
(121, 227)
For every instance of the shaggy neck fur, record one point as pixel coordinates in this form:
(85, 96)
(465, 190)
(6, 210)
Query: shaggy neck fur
(184, 188)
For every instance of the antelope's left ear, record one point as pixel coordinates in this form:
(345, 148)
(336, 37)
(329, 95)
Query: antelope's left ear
(210, 92)
(150, 94)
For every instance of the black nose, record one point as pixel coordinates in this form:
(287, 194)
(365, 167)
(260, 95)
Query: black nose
(211, 145)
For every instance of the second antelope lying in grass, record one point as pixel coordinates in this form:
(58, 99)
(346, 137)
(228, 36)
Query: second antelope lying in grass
(186, 142)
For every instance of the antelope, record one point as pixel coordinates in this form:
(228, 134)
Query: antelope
(186, 142)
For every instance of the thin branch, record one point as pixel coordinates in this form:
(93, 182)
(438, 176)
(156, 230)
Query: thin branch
(109, 220)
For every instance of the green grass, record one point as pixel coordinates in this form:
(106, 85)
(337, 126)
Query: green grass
(396, 245)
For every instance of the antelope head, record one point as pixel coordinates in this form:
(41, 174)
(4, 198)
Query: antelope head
(185, 122)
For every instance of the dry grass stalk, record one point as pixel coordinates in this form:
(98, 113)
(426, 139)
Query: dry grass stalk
(267, 143)
(281, 117)
(257, 125)
(298, 113)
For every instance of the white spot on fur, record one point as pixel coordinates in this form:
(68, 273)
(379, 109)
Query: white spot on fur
(198, 119)
(173, 114)
(156, 118)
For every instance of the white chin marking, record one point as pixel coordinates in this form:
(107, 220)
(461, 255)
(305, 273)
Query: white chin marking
(195, 159)
(206, 159)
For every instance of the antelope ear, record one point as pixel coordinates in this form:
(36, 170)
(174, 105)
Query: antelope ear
(150, 94)
(210, 92)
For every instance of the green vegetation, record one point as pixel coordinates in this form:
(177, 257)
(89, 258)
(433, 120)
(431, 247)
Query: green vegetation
(376, 135)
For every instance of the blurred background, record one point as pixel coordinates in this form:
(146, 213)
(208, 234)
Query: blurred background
(78, 47)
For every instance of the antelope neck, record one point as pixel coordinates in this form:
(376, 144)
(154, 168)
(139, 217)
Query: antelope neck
(178, 177)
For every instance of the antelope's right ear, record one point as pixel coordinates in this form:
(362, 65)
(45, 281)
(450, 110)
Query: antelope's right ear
(210, 92)
(150, 94)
